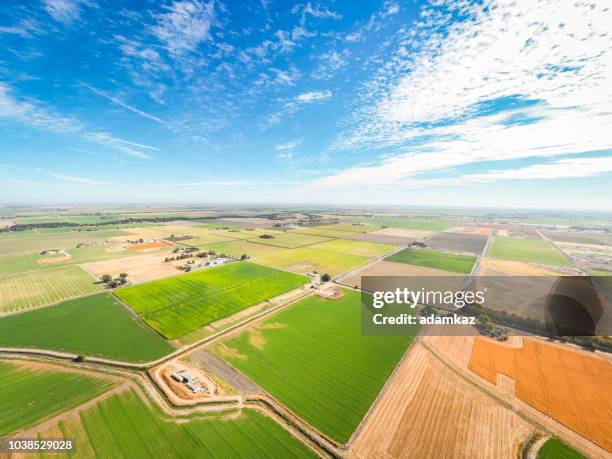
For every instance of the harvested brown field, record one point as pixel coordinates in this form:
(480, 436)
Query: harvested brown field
(458, 242)
(142, 268)
(390, 268)
(402, 232)
(45, 261)
(427, 411)
(568, 385)
(496, 267)
(149, 245)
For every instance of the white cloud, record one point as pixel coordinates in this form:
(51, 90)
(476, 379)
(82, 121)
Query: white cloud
(313, 96)
(284, 156)
(76, 179)
(185, 25)
(66, 11)
(26, 28)
(319, 12)
(31, 113)
(563, 168)
(375, 22)
(119, 102)
(124, 146)
(288, 145)
(329, 64)
(554, 52)
(28, 112)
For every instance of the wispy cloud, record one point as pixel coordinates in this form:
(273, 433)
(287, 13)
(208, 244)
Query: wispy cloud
(313, 96)
(329, 64)
(76, 179)
(288, 145)
(443, 100)
(31, 113)
(389, 8)
(185, 25)
(124, 146)
(120, 103)
(66, 11)
(25, 28)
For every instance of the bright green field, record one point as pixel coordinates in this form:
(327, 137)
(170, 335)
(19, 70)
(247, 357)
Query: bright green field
(362, 249)
(528, 250)
(29, 396)
(556, 449)
(313, 358)
(37, 288)
(289, 240)
(432, 259)
(123, 426)
(306, 259)
(95, 325)
(239, 248)
(184, 303)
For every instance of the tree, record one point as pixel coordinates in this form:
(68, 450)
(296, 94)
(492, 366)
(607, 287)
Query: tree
(325, 278)
(106, 278)
(244, 256)
(123, 275)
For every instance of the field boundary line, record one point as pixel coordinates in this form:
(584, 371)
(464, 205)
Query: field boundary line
(351, 441)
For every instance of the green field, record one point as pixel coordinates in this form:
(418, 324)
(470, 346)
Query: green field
(362, 249)
(313, 358)
(245, 233)
(125, 426)
(184, 303)
(203, 240)
(425, 224)
(32, 261)
(239, 248)
(38, 288)
(289, 240)
(322, 231)
(95, 325)
(556, 449)
(306, 259)
(432, 259)
(29, 396)
(15, 243)
(527, 250)
(79, 219)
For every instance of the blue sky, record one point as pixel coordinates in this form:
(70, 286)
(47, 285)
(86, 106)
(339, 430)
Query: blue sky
(389, 103)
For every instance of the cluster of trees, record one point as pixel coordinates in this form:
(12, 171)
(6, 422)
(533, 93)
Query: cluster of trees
(116, 282)
(491, 319)
(266, 236)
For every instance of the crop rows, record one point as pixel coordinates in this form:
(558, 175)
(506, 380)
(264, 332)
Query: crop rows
(37, 288)
(182, 304)
(330, 387)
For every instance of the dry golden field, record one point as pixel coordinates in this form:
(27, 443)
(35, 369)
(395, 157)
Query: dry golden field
(427, 411)
(568, 385)
(139, 269)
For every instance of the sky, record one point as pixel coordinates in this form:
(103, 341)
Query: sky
(435, 103)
